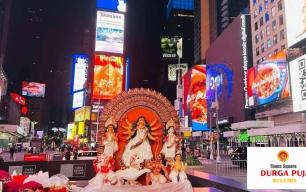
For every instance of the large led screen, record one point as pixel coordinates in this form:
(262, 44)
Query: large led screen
(269, 81)
(108, 76)
(171, 47)
(113, 5)
(295, 12)
(33, 89)
(109, 32)
(80, 66)
(298, 83)
(196, 98)
(78, 99)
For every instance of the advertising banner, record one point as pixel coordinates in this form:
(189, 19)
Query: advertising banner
(108, 77)
(33, 89)
(78, 99)
(109, 32)
(80, 66)
(112, 5)
(82, 114)
(25, 123)
(173, 68)
(278, 168)
(18, 99)
(270, 82)
(295, 21)
(71, 131)
(171, 47)
(196, 98)
(298, 83)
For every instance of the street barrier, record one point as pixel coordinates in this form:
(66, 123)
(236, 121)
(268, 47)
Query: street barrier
(234, 168)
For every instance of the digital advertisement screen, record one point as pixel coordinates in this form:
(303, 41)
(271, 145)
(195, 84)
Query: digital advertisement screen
(269, 82)
(173, 70)
(171, 47)
(80, 66)
(113, 5)
(33, 89)
(109, 32)
(78, 99)
(295, 21)
(108, 76)
(298, 83)
(196, 98)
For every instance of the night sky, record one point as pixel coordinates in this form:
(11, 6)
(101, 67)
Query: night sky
(67, 27)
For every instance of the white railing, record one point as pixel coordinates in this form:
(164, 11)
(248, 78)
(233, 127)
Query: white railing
(231, 168)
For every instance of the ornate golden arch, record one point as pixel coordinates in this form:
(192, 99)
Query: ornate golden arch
(135, 99)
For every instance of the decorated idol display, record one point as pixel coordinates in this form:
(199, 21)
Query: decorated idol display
(140, 146)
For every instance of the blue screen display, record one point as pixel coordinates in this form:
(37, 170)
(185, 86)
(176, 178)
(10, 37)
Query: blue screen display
(113, 5)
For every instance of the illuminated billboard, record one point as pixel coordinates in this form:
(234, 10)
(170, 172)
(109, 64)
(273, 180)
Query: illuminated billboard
(173, 68)
(298, 83)
(109, 32)
(79, 66)
(171, 47)
(33, 89)
(295, 21)
(78, 99)
(195, 97)
(108, 77)
(269, 81)
(71, 131)
(113, 5)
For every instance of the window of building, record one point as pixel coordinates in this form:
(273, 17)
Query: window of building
(257, 51)
(262, 35)
(273, 11)
(256, 38)
(255, 13)
(269, 43)
(268, 30)
(283, 47)
(281, 20)
(262, 47)
(280, 5)
(256, 26)
(273, 25)
(282, 34)
(275, 39)
(261, 21)
(266, 4)
(260, 9)
(267, 17)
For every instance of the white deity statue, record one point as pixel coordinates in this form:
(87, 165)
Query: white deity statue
(110, 140)
(138, 144)
(171, 141)
(178, 169)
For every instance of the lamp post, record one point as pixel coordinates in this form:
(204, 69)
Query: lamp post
(217, 125)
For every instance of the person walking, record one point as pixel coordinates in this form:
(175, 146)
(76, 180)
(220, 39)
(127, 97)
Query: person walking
(12, 151)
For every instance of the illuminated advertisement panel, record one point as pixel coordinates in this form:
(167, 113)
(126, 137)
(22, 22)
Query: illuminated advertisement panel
(295, 21)
(108, 77)
(109, 32)
(270, 81)
(78, 99)
(298, 83)
(80, 66)
(196, 98)
(71, 131)
(33, 89)
(113, 5)
(171, 47)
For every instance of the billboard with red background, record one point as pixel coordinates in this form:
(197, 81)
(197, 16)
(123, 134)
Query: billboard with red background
(269, 81)
(195, 103)
(108, 76)
(33, 89)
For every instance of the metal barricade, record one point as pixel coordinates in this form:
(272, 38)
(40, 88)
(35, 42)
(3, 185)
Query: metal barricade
(231, 168)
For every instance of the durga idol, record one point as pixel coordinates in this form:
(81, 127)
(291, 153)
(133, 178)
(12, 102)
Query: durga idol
(138, 144)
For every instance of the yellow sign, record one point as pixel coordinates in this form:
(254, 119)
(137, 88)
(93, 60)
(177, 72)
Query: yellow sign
(82, 114)
(81, 128)
(71, 131)
(187, 134)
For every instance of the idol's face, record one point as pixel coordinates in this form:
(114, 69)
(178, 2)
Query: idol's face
(110, 128)
(141, 121)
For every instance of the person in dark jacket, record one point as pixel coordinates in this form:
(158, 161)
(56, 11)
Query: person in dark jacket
(12, 151)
